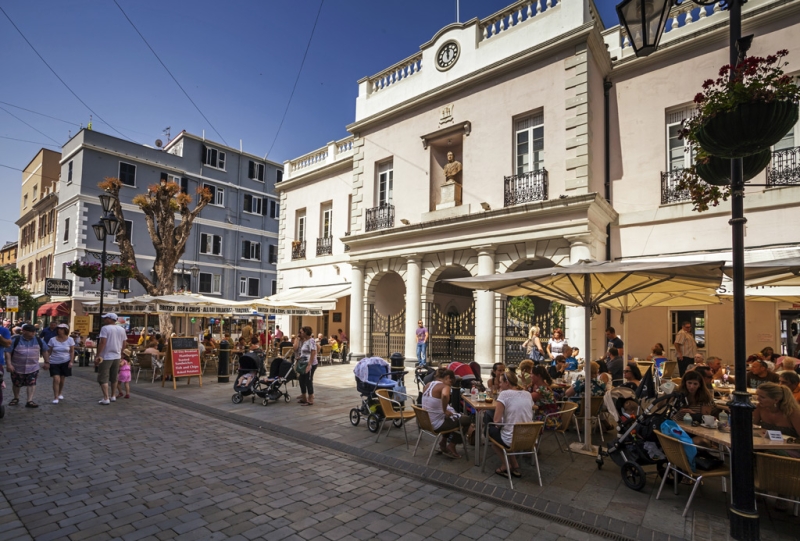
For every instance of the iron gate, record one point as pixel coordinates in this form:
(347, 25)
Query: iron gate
(386, 333)
(451, 337)
(517, 327)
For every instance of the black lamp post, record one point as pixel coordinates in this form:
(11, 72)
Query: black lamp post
(645, 20)
(105, 226)
(195, 271)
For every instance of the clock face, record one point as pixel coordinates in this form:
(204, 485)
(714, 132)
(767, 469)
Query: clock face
(447, 55)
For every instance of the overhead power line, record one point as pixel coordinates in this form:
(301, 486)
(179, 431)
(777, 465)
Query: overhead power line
(26, 141)
(170, 73)
(22, 170)
(297, 79)
(31, 127)
(59, 77)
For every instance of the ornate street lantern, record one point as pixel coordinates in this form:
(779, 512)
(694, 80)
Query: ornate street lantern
(644, 21)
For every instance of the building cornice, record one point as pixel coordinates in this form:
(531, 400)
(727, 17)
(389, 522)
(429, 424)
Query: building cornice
(317, 174)
(185, 134)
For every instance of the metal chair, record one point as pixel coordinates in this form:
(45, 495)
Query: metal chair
(425, 427)
(678, 463)
(325, 354)
(144, 361)
(524, 441)
(564, 417)
(392, 411)
(780, 475)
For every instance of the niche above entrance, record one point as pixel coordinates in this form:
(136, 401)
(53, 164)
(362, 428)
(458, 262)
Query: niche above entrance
(446, 176)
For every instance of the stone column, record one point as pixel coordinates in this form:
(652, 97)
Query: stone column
(484, 310)
(413, 302)
(580, 248)
(357, 310)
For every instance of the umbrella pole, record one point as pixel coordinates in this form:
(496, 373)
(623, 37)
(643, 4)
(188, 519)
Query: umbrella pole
(587, 364)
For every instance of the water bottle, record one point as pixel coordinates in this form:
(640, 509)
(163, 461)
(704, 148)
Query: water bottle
(723, 418)
(474, 392)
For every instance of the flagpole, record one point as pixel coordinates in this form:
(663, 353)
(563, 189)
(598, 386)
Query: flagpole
(458, 11)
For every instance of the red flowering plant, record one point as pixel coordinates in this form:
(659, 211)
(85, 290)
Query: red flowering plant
(755, 80)
(85, 269)
(119, 270)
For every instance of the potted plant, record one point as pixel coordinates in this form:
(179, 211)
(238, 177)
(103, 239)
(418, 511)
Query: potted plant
(119, 270)
(747, 113)
(717, 171)
(85, 269)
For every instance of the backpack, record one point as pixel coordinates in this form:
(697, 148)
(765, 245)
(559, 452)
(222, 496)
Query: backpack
(15, 342)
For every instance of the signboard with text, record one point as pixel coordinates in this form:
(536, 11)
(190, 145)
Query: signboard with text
(182, 360)
(55, 287)
(83, 325)
(12, 303)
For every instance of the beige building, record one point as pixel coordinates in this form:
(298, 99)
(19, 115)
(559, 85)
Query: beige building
(523, 100)
(37, 221)
(8, 254)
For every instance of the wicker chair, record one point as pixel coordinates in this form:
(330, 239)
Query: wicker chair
(325, 354)
(778, 474)
(425, 427)
(523, 442)
(392, 411)
(565, 417)
(144, 361)
(668, 368)
(678, 463)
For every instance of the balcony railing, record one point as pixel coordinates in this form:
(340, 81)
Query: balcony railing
(669, 187)
(784, 168)
(298, 249)
(380, 218)
(325, 246)
(531, 186)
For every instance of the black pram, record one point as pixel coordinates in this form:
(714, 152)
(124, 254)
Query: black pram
(281, 371)
(247, 381)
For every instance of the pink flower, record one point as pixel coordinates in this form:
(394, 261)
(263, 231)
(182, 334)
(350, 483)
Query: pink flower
(699, 98)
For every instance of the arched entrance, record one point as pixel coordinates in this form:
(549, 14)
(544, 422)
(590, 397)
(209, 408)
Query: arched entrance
(520, 313)
(451, 320)
(387, 315)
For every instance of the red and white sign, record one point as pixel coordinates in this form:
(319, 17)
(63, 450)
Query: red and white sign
(186, 362)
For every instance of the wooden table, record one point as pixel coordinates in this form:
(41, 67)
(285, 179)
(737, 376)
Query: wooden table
(724, 438)
(479, 407)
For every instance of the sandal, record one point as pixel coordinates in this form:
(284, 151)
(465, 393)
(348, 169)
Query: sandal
(14, 402)
(31, 404)
(501, 473)
(451, 454)
(516, 473)
(306, 403)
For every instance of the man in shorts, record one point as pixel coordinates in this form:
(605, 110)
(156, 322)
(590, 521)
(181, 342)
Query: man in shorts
(109, 352)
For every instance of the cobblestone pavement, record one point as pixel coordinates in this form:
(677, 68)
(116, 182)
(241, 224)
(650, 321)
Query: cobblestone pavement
(141, 469)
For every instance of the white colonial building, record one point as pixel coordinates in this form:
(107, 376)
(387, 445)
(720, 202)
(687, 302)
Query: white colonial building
(568, 151)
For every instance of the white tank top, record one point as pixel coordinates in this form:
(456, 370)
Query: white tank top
(433, 405)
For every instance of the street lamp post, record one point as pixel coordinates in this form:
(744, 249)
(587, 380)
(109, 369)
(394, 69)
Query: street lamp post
(105, 226)
(645, 21)
(195, 271)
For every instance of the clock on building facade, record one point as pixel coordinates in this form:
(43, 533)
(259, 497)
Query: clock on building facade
(447, 55)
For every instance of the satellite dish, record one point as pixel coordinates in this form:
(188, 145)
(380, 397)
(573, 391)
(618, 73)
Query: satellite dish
(159, 143)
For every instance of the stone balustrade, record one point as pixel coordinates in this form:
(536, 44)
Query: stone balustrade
(334, 151)
(396, 73)
(513, 15)
(680, 21)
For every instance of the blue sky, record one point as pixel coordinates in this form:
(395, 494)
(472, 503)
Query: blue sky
(236, 59)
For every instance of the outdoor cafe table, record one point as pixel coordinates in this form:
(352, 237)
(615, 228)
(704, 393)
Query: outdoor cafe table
(479, 407)
(724, 438)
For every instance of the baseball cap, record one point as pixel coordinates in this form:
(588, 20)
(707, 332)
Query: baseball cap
(28, 327)
(62, 326)
(110, 315)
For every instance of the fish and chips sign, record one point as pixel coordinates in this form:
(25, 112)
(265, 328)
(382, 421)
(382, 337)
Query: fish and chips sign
(208, 310)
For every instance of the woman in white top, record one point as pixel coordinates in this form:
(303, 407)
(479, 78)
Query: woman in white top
(514, 405)
(305, 346)
(436, 401)
(62, 355)
(555, 346)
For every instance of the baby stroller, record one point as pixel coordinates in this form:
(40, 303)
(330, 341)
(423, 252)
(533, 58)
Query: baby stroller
(247, 381)
(637, 444)
(373, 373)
(281, 371)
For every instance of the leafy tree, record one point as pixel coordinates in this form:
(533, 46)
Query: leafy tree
(522, 308)
(160, 205)
(12, 283)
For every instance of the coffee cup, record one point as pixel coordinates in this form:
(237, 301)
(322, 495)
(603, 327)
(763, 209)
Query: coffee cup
(709, 421)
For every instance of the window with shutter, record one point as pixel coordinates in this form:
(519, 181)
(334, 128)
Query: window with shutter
(251, 169)
(217, 245)
(257, 252)
(184, 185)
(279, 175)
(204, 243)
(66, 230)
(127, 173)
(164, 177)
(273, 256)
(248, 202)
(252, 287)
(274, 287)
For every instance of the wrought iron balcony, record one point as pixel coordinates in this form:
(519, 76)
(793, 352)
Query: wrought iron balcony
(524, 188)
(298, 249)
(669, 187)
(325, 246)
(784, 168)
(381, 217)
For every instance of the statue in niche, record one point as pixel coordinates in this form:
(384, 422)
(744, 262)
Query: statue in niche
(451, 169)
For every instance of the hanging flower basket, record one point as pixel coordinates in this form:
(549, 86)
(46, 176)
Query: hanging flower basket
(717, 171)
(748, 129)
(119, 270)
(85, 269)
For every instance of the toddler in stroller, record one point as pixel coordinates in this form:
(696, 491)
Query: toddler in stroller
(373, 373)
(281, 371)
(247, 382)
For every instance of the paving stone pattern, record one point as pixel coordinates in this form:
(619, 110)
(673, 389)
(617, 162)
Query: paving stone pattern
(141, 469)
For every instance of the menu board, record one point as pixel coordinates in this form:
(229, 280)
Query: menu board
(182, 360)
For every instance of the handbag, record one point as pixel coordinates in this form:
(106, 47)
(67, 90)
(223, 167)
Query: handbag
(536, 355)
(302, 365)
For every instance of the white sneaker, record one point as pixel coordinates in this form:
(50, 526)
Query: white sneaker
(55, 401)
(104, 402)
(113, 398)
(61, 397)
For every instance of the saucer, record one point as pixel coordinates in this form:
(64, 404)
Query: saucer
(707, 426)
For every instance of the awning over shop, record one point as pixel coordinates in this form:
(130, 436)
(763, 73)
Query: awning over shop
(324, 296)
(53, 309)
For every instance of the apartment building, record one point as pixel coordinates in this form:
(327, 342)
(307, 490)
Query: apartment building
(8, 254)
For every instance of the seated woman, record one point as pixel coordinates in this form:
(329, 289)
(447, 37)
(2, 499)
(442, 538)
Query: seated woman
(436, 401)
(575, 393)
(525, 368)
(209, 342)
(541, 393)
(493, 384)
(334, 344)
(557, 371)
(514, 405)
(632, 376)
(699, 399)
(778, 410)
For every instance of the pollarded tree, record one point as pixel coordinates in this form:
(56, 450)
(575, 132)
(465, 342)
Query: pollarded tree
(160, 205)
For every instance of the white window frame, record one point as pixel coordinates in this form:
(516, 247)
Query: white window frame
(253, 250)
(135, 170)
(326, 221)
(244, 286)
(300, 231)
(128, 230)
(274, 287)
(66, 230)
(217, 195)
(255, 201)
(216, 284)
(69, 172)
(795, 131)
(384, 193)
(532, 126)
(674, 121)
(275, 209)
(259, 169)
(219, 159)
(210, 243)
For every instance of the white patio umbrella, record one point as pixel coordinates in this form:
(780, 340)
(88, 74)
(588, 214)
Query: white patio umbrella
(778, 272)
(619, 286)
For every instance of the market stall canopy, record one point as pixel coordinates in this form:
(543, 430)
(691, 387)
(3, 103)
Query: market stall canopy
(54, 309)
(323, 296)
(197, 305)
(777, 272)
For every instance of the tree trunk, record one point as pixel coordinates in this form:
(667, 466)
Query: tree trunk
(165, 325)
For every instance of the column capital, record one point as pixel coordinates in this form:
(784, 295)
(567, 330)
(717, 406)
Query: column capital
(359, 265)
(581, 239)
(488, 249)
(412, 257)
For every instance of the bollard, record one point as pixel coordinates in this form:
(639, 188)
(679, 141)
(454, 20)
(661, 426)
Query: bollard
(224, 362)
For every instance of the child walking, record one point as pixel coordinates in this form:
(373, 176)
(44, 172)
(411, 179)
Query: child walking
(124, 377)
